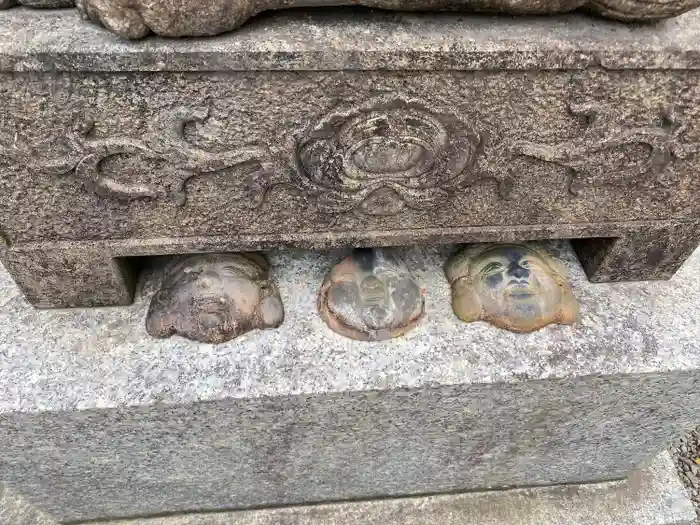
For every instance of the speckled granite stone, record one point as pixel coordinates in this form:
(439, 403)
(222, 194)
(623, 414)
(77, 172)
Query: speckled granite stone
(101, 421)
(652, 496)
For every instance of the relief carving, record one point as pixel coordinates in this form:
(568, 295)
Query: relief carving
(168, 145)
(213, 298)
(385, 155)
(617, 156)
(517, 287)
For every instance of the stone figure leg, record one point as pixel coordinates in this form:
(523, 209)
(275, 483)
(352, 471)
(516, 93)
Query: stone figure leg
(66, 278)
(649, 252)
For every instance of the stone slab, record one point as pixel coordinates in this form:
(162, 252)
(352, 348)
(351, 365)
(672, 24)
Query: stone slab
(402, 129)
(102, 422)
(355, 39)
(652, 496)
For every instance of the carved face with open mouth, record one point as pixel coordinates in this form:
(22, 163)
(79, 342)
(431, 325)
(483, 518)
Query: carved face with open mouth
(512, 286)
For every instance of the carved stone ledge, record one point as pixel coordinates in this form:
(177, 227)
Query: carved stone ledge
(138, 18)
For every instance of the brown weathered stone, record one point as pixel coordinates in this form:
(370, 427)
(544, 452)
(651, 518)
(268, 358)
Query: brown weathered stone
(214, 298)
(269, 138)
(137, 18)
(513, 286)
(371, 296)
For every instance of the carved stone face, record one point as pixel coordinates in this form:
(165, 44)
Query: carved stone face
(213, 298)
(511, 286)
(370, 296)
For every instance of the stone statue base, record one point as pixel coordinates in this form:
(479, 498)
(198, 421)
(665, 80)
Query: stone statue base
(262, 139)
(301, 414)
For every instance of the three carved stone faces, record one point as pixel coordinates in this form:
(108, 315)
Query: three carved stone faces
(369, 296)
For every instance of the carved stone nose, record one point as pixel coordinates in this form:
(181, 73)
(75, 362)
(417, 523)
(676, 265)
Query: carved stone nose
(517, 271)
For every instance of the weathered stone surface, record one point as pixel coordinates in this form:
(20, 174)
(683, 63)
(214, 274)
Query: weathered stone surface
(137, 18)
(652, 496)
(162, 155)
(371, 296)
(215, 297)
(100, 420)
(47, 4)
(518, 287)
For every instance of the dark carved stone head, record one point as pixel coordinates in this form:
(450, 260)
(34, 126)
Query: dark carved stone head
(213, 298)
(513, 286)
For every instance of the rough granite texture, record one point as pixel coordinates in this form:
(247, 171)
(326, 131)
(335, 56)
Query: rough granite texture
(652, 496)
(686, 455)
(101, 421)
(137, 18)
(356, 40)
(318, 129)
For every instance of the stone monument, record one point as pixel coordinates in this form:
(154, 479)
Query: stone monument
(182, 180)
(481, 130)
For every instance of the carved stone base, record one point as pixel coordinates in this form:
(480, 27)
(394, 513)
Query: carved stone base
(260, 139)
(648, 253)
(72, 277)
(371, 296)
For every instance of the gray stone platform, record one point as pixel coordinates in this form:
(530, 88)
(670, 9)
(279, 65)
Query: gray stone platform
(100, 421)
(361, 40)
(652, 496)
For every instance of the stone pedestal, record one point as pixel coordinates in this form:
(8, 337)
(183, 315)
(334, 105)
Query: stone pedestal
(102, 422)
(343, 127)
(651, 496)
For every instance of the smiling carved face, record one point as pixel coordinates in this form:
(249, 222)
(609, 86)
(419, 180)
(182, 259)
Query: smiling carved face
(511, 286)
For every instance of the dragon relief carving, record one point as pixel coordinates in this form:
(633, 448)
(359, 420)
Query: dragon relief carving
(169, 145)
(383, 156)
(585, 157)
(394, 152)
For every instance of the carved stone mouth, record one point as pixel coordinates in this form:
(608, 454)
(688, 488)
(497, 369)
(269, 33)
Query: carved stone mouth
(519, 290)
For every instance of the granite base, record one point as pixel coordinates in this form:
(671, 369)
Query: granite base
(101, 421)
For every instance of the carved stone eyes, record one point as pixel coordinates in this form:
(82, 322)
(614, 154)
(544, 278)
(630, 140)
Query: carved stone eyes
(492, 268)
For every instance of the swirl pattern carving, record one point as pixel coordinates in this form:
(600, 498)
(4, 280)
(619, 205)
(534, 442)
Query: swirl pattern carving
(388, 153)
